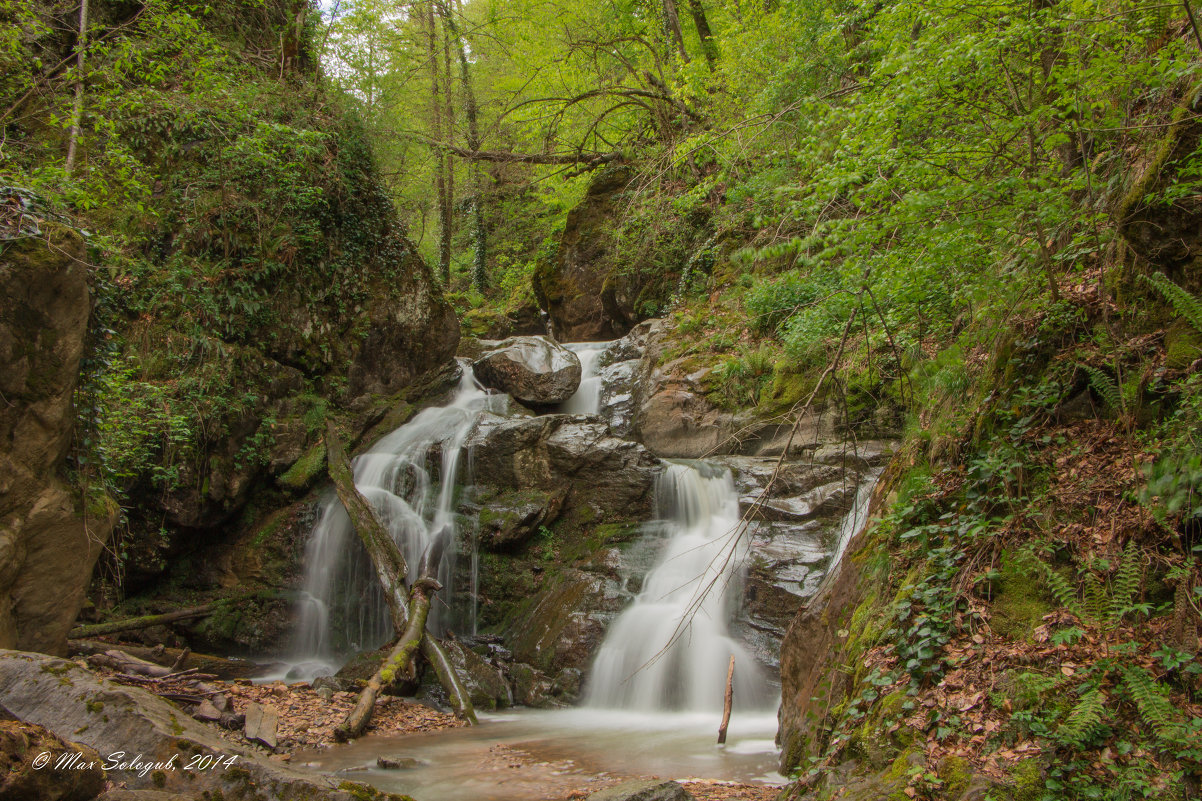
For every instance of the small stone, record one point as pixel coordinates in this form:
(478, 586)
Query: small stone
(325, 693)
(397, 763)
(261, 725)
(207, 711)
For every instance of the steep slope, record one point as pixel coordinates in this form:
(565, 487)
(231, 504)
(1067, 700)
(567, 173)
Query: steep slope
(244, 269)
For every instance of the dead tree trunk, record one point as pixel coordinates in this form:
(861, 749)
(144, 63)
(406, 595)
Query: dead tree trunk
(398, 661)
(385, 556)
(390, 569)
(728, 701)
(461, 702)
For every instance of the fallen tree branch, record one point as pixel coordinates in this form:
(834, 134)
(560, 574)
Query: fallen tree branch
(391, 570)
(460, 701)
(399, 660)
(507, 157)
(385, 556)
(136, 623)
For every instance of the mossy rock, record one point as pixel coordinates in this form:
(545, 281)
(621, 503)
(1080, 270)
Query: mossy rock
(1182, 345)
(306, 470)
(1019, 604)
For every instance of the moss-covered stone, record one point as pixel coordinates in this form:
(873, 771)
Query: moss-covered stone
(1019, 603)
(306, 470)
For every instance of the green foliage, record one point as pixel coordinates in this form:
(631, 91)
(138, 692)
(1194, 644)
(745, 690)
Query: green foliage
(1183, 302)
(1091, 598)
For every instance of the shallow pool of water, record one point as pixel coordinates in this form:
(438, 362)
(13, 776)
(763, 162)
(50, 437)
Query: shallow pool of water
(528, 755)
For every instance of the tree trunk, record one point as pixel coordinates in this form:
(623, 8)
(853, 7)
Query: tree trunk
(448, 95)
(390, 569)
(398, 661)
(385, 556)
(136, 623)
(672, 18)
(81, 44)
(445, 201)
(708, 46)
(461, 702)
(219, 666)
(479, 228)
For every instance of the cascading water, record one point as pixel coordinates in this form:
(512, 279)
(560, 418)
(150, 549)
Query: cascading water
(669, 650)
(587, 399)
(409, 477)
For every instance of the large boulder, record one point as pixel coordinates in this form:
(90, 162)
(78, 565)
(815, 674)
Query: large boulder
(588, 295)
(48, 544)
(36, 765)
(616, 476)
(534, 370)
(131, 729)
(675, 416)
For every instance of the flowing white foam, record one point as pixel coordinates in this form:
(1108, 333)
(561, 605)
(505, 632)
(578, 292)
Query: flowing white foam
(670, 649)
(587, 399)
(409, 477)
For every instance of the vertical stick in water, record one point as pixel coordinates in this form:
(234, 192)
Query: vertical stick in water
(730, 699)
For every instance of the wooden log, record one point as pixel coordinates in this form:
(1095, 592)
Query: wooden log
(397, 662)
(391, 569)
(136, 623)
(124, 663)
(223, 668)
(457, 694)
(385, 556)
(730, 697)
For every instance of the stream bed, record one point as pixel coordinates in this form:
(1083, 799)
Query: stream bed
(524, 755)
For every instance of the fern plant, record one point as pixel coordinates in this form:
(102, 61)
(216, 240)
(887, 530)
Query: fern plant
(1096, 600)
(1185, 304)
(1085, 721)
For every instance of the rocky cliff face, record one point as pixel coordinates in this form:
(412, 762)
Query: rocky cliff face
(49, 539)
(588, 296)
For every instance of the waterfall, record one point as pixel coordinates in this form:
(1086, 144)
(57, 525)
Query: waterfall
(587, 399)
(409, 477)
(855, 518)
(670, 648)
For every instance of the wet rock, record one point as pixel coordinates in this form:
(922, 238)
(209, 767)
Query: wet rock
(566, 623)
(73, 772)
(47, 545)
(70, 701)
(397, 763)
(531, 687)
(484, 682)
(508, 519)
(262, 724)
(548, 452)
(643, 790)
(143, 795)
(533, 370)
(567, 685)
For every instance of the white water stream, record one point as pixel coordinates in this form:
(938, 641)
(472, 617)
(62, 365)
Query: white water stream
(587, 399)
(409, 477)
(670, 649)
(655, 690)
